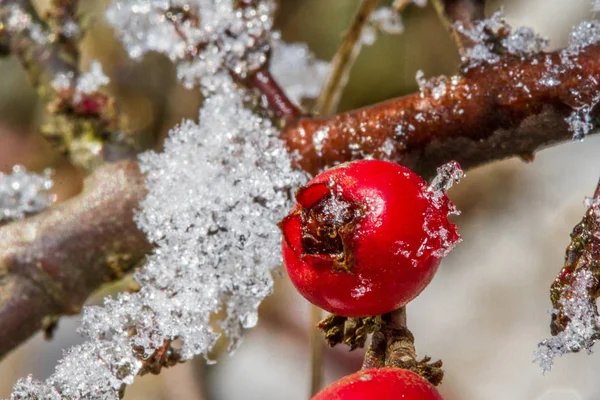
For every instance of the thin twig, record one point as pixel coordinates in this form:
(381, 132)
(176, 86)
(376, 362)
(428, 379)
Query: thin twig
(277, 101)
(343, 60)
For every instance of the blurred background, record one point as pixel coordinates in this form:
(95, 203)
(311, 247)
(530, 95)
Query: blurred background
(486, 309)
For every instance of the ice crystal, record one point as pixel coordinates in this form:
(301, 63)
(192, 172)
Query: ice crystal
(214, 196)
(204, 37)
(297, 71)
(582, 329)
(23, 193)
(488, 34)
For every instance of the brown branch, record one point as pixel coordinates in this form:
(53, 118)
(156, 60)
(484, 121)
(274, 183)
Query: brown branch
(50, 263)
(343, 60)
(491, 112)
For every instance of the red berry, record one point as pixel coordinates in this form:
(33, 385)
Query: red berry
(366, 237)
(380, 384)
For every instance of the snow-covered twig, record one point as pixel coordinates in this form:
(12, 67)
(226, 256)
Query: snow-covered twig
(575, 320)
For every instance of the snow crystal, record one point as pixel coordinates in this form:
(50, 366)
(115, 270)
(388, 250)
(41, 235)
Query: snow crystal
(582, 329)
(297, 71)
(214, 196)
(204, 37)
(23, 193)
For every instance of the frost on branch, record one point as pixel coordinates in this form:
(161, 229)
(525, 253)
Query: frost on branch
(215, 194)
(23, 193)
(297, 71)
(204, 37)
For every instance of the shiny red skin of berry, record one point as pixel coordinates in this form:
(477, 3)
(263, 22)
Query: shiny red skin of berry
(380, 384)
(393, 256)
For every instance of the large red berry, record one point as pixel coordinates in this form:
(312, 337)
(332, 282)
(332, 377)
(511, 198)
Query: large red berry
(380, 384)
(366, 237)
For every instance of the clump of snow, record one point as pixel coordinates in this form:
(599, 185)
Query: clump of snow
(214, 196)
(490, 37)
(524, 41)
(583, 35)
(204, 37)
(297, 71)
(23, 193)
(582, 329)
(86, 83)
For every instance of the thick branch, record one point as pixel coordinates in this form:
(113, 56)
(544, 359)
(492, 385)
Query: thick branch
(512, 108)
(50, 263)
